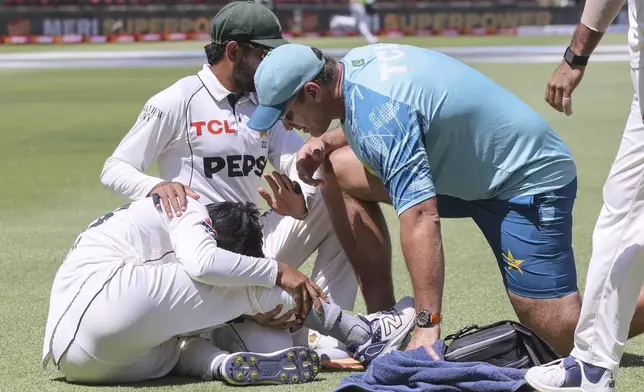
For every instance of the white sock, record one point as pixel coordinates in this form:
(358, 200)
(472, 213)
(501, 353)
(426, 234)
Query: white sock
(199, 358)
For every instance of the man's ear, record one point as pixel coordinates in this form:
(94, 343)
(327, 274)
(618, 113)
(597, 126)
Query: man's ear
(313, 90)
(232, 51)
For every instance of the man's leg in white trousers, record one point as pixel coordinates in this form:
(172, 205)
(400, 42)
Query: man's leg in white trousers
(250, 336)
(616, 271)
(360, 15)
(292, 241)
(129, 331)
(615, 274)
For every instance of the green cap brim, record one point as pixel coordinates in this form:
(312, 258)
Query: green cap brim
(270, 43)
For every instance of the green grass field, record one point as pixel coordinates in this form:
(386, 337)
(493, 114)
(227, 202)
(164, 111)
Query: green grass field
(58, 127)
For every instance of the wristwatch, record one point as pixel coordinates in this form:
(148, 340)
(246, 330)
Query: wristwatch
(572, 59)
(426, 319)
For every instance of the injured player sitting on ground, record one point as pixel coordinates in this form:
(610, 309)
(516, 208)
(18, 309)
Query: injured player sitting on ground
(138, 292)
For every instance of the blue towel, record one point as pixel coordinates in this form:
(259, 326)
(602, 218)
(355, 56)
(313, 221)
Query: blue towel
(417, 371)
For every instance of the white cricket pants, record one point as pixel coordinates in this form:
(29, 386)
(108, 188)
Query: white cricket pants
(292, 241)
(134, 328)
(616, 271)
(360, 15)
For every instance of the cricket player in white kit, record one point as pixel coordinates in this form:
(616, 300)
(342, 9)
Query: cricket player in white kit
(133, 294)
(611, 311)
(359, 13)
(196, 130)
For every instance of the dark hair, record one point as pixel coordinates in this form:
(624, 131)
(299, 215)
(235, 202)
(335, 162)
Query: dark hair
(327, 76)
(215, 53)
(237, 227)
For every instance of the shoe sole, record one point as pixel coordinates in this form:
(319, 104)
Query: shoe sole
(342, 364)
(544, 388)
(294, 365)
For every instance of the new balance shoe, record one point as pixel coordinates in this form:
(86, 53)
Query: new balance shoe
(390, 331)
(570, 375)
(289, 366)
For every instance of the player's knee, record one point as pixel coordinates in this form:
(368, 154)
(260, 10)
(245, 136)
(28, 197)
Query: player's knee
(553, 319)
(354, 178)
(264, 300)
(343, 164)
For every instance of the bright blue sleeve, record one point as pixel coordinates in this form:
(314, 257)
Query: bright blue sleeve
(389, 140)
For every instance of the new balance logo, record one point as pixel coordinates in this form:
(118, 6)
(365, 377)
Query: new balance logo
(390, 323)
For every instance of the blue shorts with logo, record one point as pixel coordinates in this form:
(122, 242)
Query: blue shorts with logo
(531, 237)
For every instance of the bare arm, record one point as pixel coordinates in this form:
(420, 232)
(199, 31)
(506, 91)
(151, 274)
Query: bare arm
(584, 40)
(313, 152)
(420, 236)
(597, 16)
(334, 139)
(422, 245)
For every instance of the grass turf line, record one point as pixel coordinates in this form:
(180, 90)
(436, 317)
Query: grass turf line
(60, 125)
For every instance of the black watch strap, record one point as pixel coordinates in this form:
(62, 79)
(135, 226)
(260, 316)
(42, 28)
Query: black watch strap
(572, 59)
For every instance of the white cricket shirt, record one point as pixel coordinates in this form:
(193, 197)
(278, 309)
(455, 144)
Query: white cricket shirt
(140, 234)
(200, 138)
(635, 30)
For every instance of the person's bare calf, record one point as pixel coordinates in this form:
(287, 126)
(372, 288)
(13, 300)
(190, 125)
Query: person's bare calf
(637, 324)
(553, 319)
(352, 196)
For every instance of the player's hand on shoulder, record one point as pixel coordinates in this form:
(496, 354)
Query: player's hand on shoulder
(287, 199)
(172, 195)
(309, 158)
(271, 320)
(304, 290)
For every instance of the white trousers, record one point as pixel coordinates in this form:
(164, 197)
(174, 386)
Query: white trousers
(292, 241)
(130, 330)
(134, 329)
(616, 271)
(360, 16)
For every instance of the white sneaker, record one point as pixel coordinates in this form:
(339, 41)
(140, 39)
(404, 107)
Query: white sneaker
(289, 366)
(390, 330)
(570, 375)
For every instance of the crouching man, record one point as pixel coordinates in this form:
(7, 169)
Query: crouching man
(137, 290)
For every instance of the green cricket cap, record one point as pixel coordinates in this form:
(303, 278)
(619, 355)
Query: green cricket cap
(247, 21)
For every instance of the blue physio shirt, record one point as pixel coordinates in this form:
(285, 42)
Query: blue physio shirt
(428, 124)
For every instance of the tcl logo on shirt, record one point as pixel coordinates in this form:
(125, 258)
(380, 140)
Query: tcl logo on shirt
(214, 127)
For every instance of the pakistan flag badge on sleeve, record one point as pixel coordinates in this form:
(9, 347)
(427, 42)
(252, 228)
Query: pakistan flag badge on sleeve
(357, 63)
